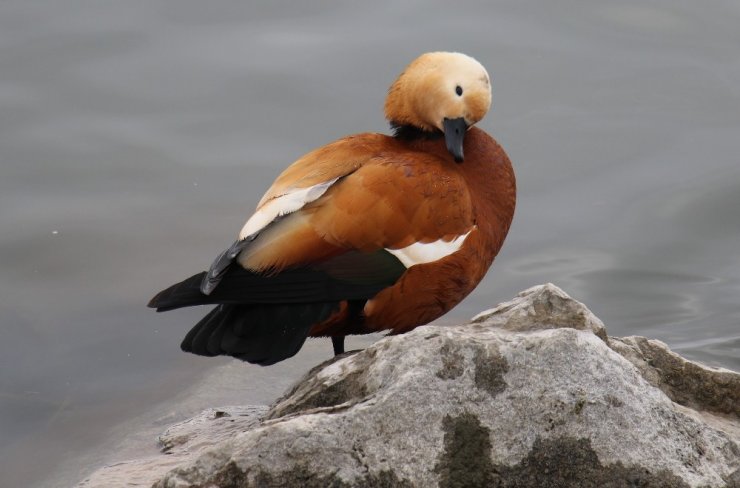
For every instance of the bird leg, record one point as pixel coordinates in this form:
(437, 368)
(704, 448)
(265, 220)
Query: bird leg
(338, 343)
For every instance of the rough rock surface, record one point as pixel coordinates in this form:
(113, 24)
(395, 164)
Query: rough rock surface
(530, 394)
(179, 444)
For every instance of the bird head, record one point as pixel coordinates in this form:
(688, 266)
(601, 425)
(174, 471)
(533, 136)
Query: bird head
(440, 91)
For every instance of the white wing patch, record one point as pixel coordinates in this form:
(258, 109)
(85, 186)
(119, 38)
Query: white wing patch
(420, 253)
(283, 205)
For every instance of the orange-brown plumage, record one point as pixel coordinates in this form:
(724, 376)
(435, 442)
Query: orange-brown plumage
(427, 291)
(402, 204)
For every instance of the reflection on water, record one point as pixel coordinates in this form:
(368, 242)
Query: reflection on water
(642, 298)
(136, 137)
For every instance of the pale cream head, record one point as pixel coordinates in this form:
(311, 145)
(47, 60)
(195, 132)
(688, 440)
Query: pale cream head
(436, 86)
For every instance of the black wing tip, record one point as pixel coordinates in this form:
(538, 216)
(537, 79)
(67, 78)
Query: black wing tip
(182, 294)
(154, 302)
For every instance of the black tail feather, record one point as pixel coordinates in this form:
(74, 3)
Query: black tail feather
(259, 334)
(263, 318)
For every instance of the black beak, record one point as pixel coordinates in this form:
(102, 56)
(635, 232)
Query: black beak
(454, 136)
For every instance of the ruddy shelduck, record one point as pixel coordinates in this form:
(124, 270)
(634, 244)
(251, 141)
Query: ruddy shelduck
(368, 233)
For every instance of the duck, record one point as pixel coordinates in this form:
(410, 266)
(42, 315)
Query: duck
(370, 233)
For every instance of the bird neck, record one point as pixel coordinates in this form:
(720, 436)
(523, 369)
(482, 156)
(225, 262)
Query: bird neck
(408, 132)
(490, 177)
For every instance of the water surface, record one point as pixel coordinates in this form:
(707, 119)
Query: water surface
(136, 137)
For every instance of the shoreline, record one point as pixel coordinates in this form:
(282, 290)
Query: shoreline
(232, 383)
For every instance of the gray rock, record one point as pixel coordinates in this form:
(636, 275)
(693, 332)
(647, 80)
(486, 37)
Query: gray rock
(181, 443)
(685, 382)
(542, 307)
(530, 394)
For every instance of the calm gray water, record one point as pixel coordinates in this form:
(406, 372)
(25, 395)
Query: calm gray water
(136, 137)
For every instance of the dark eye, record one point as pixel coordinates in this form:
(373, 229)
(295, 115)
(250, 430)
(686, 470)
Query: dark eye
(458, 90)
